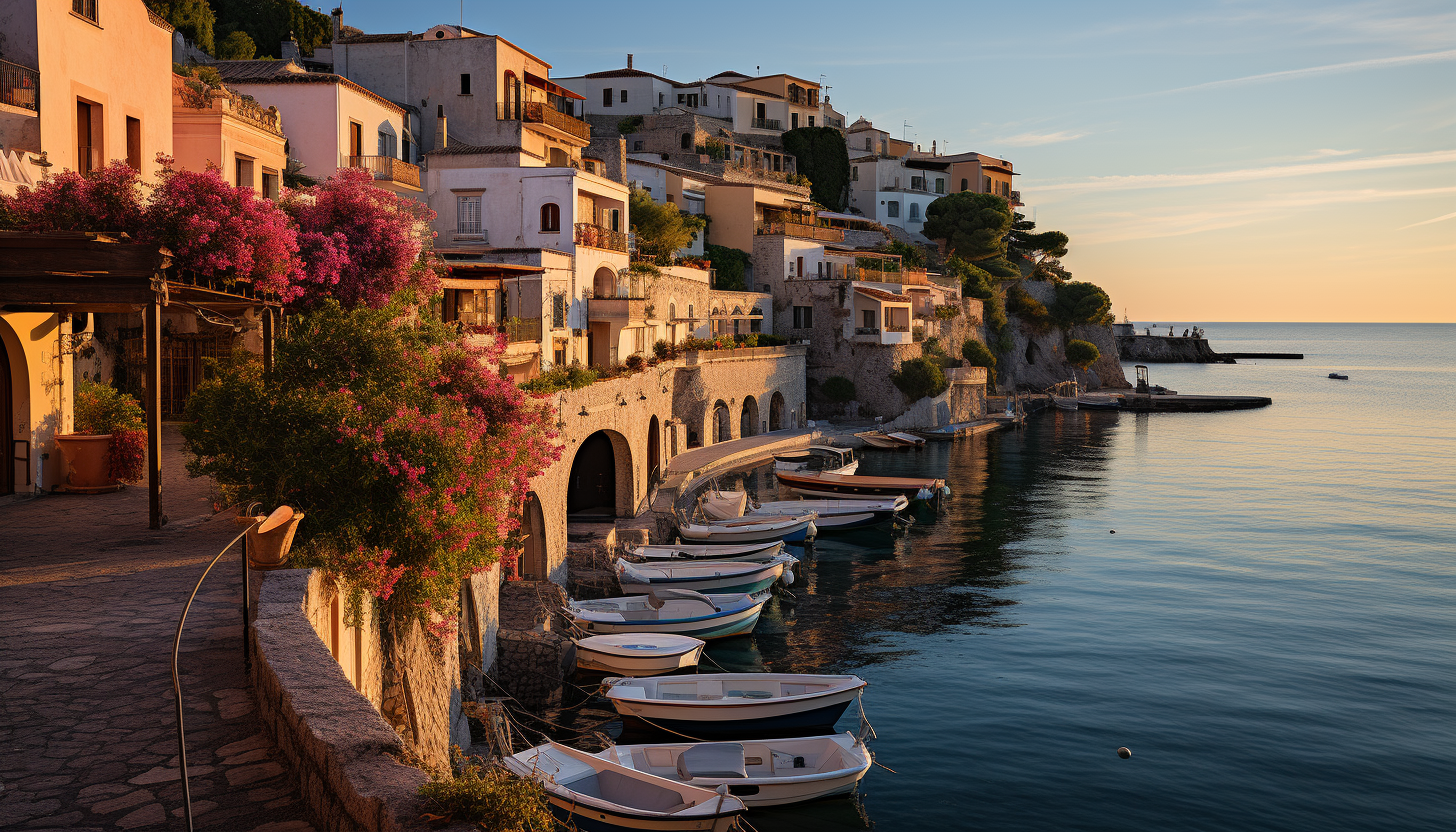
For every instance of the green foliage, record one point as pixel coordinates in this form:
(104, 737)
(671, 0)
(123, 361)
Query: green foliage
(635, 362)
(195, 19)
(912, 257)
(837, 389)
(920, 377)
(556, 379)
(731, 266)
(664, 350)
(975, 281)
(1042, 250)
(946, 312)
(932, 346)
(1032, 312)
(1082, 354)
(713, 149)
(630, 124)
(237, 46)
(823, 157)
(973, 225)
(769, 340)
(101, 409)
(268, 22)
(661, 229)
(488, 798)
(977, 354)
(1081, 303)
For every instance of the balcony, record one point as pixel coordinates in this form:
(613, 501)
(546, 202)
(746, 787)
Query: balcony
(1016, 198)
(767, 124)
(19, 86)
(388, 169)
(519, 330)
(596, 236)
(539, 112)
(801, 230)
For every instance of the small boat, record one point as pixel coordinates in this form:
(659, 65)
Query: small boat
(790, 529)
(758, 772)
(1099, 401)
(907, 438)
(840, 486)
(839, 515)
(638, 654)
(705, 576)
(679, 611)
(875, 439)
(818, 458)
(591, 793)
(723, 505)
(715, 705)
(762, 551)
(1339, 376)
(1064, 394)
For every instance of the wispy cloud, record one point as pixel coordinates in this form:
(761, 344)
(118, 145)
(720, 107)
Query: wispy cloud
(1441, 218)
(1034, 139)
(1186, 180)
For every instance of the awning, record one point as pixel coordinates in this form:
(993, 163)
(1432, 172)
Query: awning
(551, 87)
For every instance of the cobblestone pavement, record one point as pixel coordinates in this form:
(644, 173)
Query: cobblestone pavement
(89, 599)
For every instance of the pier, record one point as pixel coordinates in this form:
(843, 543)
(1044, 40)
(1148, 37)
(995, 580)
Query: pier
(1289, 355)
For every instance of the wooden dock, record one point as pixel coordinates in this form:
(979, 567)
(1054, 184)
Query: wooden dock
(1178, 403)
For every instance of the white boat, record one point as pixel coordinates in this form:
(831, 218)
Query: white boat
(818, 458)
(839, 515)
(705, 576)
(758, 772)
(731, 705)
(790, 529)
(875, 439)
(767, 550)
(723, 505)
(594, 794)
(1064, 394)
(907, 438)
(1099, 401)
(679, 611)
(638, 654)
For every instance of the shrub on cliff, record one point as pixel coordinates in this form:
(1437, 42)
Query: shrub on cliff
(1082, 354)
(730, 266)
(972, 225)
(837, 389)
(1081, 303)
(977, 354)
(920, 377)
(1032, 312)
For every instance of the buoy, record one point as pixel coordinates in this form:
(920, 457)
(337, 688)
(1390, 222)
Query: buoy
(1112, 531)
(1124, 752)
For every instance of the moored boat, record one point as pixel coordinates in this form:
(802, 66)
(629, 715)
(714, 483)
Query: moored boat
(638, 654)
(907, 438)
(839, 515)
(791, 529)
(761, 551)
(705, 576)
(758, 772)
(818, 458)
(595, 794)
(1099, 401)
(875, 439)
(679, 611)
(1339, 376)
(716, 705)
(841, 486)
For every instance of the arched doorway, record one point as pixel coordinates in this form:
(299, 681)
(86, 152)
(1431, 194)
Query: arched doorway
(722, 422)
(7, 412)
(776, 411)
(654, 453)
(534, 565)
(604, 283)
(592, 488)
(748, 421)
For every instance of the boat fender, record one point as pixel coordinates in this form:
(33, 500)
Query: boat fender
(945, 490)
(788, 578)
(924, 494)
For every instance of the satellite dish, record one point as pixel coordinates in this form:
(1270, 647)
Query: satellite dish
(280, 516)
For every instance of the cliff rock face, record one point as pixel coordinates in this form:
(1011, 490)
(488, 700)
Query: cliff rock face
(1159, 349)
(1037, 362)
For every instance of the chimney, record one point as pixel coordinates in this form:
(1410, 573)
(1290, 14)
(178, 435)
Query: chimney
(288, 50)
(629, 60)
(932, 148)
(338, 19)
(444, 136)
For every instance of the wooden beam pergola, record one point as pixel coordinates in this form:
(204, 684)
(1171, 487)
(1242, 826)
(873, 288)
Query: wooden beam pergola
(67, 272)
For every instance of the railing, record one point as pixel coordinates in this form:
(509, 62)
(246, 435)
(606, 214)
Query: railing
(388, 169)
(19, 86)
(897, 327)
(767, 124)
(1016, 197)
(595, 236)
(539, 112)
(518, 330)
(798, 229)
(471, 232)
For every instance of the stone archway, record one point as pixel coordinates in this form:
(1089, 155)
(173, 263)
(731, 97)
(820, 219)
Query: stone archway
(748, 419)
(654, 452)
(535, 564)
(776, 411)
(601, 481)
(722, 422)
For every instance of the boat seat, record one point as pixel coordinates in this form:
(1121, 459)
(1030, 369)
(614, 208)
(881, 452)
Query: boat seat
(634, 793)
(718, 760)
(631, 691)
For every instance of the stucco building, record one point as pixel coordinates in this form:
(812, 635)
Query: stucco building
(220, 127)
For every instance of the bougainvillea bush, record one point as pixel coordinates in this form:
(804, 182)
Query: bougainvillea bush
(108, 199)
(406, 449)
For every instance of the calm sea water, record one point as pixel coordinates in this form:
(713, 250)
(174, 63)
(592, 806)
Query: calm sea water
(1271, 630)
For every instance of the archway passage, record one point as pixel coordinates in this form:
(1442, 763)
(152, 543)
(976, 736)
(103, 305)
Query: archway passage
(654, 453)
(748, 421)
(592, 488)
(776, 411)
(534, 565)
(722, 424)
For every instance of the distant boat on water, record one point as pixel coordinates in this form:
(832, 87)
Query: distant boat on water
(1339, 376)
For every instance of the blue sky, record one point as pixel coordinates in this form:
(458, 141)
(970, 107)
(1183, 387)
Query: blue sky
(1210, 160)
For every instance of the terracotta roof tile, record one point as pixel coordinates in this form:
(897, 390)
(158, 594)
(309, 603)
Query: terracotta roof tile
(881, 295)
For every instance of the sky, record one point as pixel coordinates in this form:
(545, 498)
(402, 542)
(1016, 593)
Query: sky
(1211, 161)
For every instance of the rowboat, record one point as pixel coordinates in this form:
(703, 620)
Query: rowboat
(875, 439)
(1099, 401)
(763, 551)
(638, 654)
(679, 611)
(818, 458)
(1064, 394)
(1339, 376)
(791, 529)
(907, 438)
(841, 486)
(595, 794)
(758, 772)
(839, 515)
(705, 576)
(730, 705)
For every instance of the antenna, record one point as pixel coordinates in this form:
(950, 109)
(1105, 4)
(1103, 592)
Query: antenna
(906, 134)
(462, 14)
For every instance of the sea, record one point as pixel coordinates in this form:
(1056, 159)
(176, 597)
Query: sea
(1260, 605)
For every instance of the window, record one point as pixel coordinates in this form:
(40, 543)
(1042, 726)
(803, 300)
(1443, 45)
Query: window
(867, 144)
(87, 152)
(243, 168)
(811, 121)
(915, 212)
(270, 184)
(854, 173)
(550, 217)
(356, 139)
(637, 144)
(917, 183)
(624, 96)
(512, 108)
(803, 317)
(85, 8)
(472, 307)
(965, 184)
(659, 99)
(615, 217)
(690, 312)
(134, 142)
(386, 144)
(467, 215)
(892, 209)
(800, 263)
(793, 121)
(986, 184)
(559, 354)
(687, 141)
(558, 311)
(940, 186)
(682, 98)
(464, 83)
(869, 319)
(607, 97)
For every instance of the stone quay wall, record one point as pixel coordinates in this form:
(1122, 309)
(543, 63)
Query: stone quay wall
(534, 655)
(1161, 349)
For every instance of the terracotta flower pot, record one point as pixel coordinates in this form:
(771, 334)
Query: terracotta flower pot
(269, 549)
(88, 458)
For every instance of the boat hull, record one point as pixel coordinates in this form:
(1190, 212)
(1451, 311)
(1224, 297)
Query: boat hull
(590, 819)
(795, 533)
(721, 586)
(616, 663)
(839, 489)
(734, 623)
(652, 716)
(835, 523)
(762, 551)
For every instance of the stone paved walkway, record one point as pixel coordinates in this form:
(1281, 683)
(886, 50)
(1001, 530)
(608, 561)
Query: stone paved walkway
(89, 599)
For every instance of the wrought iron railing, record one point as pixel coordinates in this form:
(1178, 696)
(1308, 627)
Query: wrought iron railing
(518, 330)
(596, 236)
(540, 112)
(19, 86)
(1016, 196)
(388, 168)
(767, 124)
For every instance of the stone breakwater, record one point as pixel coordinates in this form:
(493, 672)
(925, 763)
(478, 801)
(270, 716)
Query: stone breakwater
(1160, 349)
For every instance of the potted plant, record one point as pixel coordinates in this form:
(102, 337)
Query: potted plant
(109, 443)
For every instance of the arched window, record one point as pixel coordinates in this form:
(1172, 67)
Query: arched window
(550, 217)
(965, 184)
(687, 141)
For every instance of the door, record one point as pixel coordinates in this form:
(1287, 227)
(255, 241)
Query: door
(356, 139)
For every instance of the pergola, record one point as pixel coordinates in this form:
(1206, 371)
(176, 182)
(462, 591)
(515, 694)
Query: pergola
(69, 272)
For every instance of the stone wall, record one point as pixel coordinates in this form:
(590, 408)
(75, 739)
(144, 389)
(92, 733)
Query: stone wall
(534, 655)
(1037, 360)
(1160, 349)
(611, 149)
